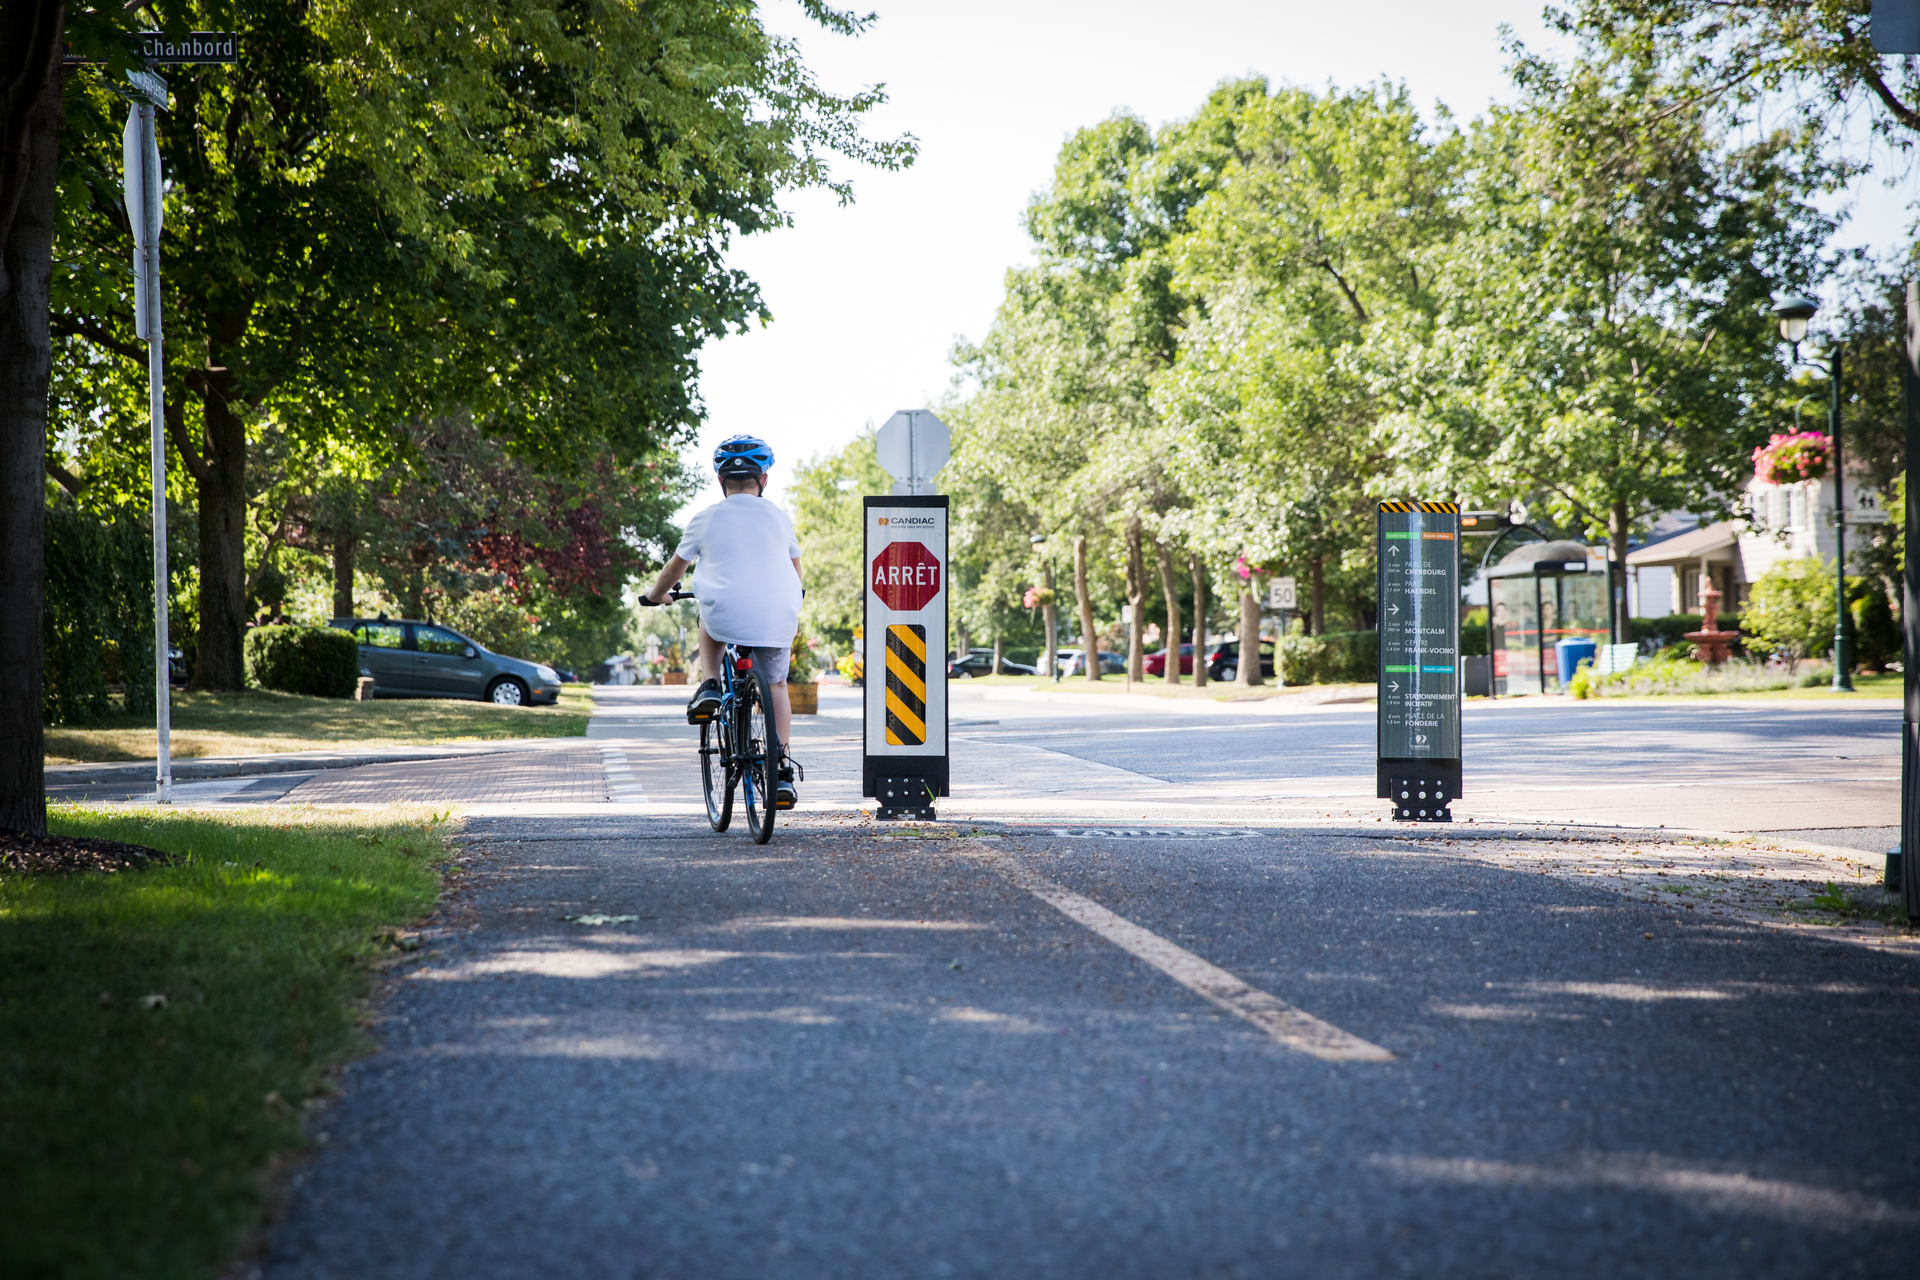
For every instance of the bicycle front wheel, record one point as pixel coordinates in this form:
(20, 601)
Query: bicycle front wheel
(760, 759)
(715, 774)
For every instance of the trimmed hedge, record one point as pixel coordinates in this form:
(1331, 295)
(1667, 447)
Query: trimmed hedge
(321, 662)
(97, 621)
(1338, 657)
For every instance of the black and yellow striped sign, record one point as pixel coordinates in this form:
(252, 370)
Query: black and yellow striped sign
(1451, 507)
(906, 685)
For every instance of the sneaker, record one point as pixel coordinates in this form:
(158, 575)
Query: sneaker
(786, 795)
(706, 702)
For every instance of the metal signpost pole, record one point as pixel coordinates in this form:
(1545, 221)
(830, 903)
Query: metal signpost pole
(1417, 762)
(1908, 874)
(141, 154)
(1843, 622)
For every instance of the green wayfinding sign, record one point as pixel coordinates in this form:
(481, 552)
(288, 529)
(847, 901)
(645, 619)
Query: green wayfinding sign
(1419, 629)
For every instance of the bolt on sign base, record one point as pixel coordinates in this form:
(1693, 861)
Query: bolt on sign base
(909, 798)
(1420, 800)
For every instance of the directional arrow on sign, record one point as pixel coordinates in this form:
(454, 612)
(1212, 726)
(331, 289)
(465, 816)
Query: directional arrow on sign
(1393, 608)
(1393, 551)
(1394, 686)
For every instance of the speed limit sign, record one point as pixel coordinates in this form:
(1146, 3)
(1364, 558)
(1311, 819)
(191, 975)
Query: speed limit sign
(1280, 593)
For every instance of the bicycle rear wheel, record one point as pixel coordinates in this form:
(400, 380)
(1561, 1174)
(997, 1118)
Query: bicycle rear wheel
(760, 759)
(715, 774)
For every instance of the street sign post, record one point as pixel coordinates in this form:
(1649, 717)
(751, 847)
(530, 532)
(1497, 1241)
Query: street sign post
(905, 759)
(1417, 748)
(912, 447)
(140, 153)
(144, 193)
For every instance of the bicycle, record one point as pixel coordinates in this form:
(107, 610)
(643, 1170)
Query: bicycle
(739, 746)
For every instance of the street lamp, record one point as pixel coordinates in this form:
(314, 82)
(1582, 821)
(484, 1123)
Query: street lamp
(1794, 311)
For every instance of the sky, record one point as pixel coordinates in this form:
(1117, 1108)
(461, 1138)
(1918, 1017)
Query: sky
(868, 299)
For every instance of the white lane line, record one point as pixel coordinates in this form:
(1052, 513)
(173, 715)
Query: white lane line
(623, 787)
(1292, 1027)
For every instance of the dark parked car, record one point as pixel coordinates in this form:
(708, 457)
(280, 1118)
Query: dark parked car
(424, 660)
(1155, 664)
(1224, 662)
(980, 663)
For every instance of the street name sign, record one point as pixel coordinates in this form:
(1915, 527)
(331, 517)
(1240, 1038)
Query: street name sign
(190, 48)
(904, 762)
(1418, 732)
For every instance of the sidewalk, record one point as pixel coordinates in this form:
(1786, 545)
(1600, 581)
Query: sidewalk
(292, 761)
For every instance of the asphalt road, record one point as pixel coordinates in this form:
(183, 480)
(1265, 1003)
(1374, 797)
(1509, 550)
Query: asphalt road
(1241, 1044)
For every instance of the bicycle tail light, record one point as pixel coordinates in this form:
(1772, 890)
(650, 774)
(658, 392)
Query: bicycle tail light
(743, 664)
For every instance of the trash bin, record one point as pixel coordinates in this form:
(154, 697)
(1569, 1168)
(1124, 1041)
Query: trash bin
(1570, 653)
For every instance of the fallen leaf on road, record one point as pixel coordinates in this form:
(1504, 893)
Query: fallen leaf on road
(601, 919)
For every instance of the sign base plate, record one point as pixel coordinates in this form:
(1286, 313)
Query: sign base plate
(909, 798)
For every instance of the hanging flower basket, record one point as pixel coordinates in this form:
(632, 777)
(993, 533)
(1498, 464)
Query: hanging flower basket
(1789, 459)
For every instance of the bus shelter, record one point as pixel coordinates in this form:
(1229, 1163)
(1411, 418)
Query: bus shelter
(1541, 594)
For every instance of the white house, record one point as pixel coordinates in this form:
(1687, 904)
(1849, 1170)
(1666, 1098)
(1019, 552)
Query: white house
(1783, 522)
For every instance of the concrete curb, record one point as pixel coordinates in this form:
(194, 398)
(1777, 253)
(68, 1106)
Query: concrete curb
(290, 762)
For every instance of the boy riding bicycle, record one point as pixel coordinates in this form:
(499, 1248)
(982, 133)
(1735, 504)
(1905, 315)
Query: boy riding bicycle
(743, 545)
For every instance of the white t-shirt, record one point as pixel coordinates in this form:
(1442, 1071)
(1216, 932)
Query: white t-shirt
(748, 591)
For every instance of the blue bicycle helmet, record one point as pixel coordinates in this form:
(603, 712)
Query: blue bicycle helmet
(743, 456)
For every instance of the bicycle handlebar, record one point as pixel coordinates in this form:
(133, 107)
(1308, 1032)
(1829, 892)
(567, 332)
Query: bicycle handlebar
(671, 597)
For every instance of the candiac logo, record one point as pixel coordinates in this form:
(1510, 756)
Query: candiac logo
(924, 521)
(905, 575)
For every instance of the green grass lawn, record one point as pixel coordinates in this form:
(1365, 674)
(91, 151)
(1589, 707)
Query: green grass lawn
(133, 1140)
(261, 721)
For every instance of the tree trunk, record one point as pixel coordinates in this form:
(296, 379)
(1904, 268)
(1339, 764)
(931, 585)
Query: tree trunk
(1317, 577)
(30, 43)
(410, 601)
(1173, 613)
(222, 482)
(962, 642)
(1249, 663)
(1136, 601)
(1050, 619)
(345, 543)
(1618, 528)
(1089, 642)
(999, 652)
(1199, 621)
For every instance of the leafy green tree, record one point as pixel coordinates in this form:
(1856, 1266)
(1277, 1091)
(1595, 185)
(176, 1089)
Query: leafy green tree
(1814, 58)
(1791, 608)
(343, 262)
(31, 39)
(1604, 330)
(1309, 263)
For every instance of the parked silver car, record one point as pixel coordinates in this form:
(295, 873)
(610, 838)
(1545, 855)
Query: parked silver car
(424, 660)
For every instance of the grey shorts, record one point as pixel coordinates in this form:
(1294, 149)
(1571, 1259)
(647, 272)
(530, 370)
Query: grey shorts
(769, 659)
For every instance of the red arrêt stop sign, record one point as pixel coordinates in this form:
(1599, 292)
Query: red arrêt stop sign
(905, 575)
